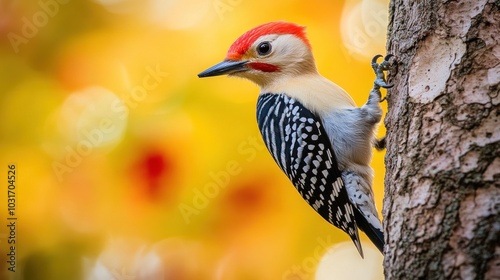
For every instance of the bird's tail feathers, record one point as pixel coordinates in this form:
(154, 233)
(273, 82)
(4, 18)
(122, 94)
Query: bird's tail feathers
(357, 241)
(375, 235)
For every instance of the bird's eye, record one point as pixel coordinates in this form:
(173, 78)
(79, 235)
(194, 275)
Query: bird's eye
(264, 48)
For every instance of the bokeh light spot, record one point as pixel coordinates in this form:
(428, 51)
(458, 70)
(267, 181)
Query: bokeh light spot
(170, 14)
(92, 118)
(363, 27)
(344, 261)
(175, 14)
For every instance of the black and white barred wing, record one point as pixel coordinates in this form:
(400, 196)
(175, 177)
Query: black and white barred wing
(300, 146)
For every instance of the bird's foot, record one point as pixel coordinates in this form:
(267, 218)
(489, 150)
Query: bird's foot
(379, 69)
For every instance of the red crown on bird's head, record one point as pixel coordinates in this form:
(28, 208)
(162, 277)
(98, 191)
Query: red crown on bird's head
(243, 43)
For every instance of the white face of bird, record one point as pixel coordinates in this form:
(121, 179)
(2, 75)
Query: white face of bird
(272, 57)
(266, 59)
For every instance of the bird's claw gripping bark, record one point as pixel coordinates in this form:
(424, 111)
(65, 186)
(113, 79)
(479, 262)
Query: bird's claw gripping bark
(380, 68)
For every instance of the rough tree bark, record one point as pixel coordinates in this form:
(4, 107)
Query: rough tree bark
(442, 197)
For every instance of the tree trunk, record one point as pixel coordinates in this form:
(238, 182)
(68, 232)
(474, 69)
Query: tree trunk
(442, 196)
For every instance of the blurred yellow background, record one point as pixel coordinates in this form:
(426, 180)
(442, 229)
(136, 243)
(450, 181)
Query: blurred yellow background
(130, 167)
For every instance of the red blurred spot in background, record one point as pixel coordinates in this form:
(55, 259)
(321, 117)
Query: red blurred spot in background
(246, 198)
(248, 204)
(156, 174)
(155, 164)
(249, 199)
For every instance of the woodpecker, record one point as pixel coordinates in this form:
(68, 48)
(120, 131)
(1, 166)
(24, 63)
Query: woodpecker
(313, 129)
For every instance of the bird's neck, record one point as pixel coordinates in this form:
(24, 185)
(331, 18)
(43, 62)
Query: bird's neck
(313, 90)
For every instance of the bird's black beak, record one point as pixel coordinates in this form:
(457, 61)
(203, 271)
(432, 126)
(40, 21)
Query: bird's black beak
(225, 67)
